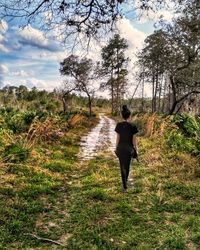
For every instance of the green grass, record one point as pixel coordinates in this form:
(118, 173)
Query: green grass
(160, 211)
(81, 205)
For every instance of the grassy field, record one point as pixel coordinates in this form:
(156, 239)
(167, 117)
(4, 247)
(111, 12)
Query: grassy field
(55, 197)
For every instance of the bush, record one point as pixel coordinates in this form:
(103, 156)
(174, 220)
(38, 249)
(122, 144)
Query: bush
(16, 123)
(15, 153)
(6, 137)
(14, 120)
(188, 125)
(186, 137)
(178, 141)
(29, 116)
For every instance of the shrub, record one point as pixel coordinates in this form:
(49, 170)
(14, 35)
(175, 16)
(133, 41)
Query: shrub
(16, 123)
(15, 153)
(186, 137)
(19, 122)
(29, 116)
(6, 137)
(178, 141)
(188, 125)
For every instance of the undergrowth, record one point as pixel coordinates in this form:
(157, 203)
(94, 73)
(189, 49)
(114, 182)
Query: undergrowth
(53, 195)
(34, 170)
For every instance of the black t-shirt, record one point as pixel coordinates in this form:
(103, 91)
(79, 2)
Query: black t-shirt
(126, 131)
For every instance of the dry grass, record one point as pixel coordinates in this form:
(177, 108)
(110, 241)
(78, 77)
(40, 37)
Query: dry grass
(76, 120)
(41, 131)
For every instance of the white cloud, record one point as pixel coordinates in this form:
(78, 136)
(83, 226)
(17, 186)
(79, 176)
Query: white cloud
(2, 38)
(36, 38)
(16, 45)
(4, 49)
(52, 56)
(3, 26)
(40, 57)
(33, 36)
(22, 73)
(134, 36)
(40, 83)
(3, 30)
(3, 69)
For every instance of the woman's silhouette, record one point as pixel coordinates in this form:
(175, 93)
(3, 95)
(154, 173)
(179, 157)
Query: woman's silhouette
(125, 144)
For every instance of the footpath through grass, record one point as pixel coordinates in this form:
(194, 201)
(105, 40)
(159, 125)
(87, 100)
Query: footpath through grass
(81, 206)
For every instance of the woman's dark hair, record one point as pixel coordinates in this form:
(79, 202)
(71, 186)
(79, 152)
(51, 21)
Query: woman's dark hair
(125, 112)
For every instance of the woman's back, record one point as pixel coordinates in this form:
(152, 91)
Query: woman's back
(126, 131)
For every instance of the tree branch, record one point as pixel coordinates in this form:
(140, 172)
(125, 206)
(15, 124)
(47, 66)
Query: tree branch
(38, 7)
(45, 239)
(188, 94)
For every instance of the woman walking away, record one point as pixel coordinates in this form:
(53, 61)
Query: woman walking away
(125, 144)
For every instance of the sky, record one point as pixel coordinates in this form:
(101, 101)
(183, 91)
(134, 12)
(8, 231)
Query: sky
(30, 57)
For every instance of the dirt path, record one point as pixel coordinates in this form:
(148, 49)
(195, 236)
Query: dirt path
(101, 138)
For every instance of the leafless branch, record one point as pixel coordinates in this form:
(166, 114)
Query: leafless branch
(45, 239)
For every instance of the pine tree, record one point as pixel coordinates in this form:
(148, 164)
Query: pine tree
(114, 66)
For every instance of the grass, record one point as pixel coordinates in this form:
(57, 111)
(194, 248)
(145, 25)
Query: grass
(80, 204)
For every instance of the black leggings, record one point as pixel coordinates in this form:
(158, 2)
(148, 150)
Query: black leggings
(125, 167)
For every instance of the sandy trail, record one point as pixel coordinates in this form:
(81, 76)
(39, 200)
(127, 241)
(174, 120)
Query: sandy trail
(100, 138)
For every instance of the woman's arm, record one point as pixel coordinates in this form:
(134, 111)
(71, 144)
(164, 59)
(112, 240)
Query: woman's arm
(117, 139)
(135, 143)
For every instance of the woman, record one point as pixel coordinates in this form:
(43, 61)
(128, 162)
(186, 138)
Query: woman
(125, 144)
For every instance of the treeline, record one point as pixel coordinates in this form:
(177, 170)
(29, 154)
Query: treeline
(21, 98)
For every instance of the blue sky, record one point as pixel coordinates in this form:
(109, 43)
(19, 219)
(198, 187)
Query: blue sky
(31, 58)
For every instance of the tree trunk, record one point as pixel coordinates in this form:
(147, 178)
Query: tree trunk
(142, 93)
(174, 100)
(90, 105)
(173, 107)
(112, 93)
(153, 91)
(164, 94)
(160, 92)
(64, 102)
(112, 96)
(118, 101)
(182, 99)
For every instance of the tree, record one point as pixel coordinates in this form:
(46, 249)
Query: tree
(153, 60)
(89, 17)
(82, 72)
(114, 64)
(21, 92)
(185, 54)
(175, 52)
(65, 93)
